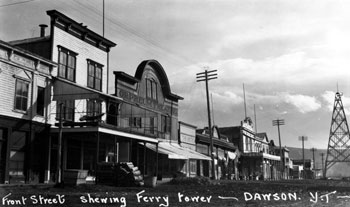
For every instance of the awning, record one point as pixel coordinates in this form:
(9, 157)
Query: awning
(263, 155)
(271, 157)
(171, 154)
(66, 90)
(175, 151)
(107, 131)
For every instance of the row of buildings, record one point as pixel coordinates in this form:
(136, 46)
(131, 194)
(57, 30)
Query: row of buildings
(56, 115)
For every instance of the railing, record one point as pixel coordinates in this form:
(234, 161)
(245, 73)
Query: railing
(136, 124)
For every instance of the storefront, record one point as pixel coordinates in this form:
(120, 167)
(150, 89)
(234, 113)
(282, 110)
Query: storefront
(225, 154)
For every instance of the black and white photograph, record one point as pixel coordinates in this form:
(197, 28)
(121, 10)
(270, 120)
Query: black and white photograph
(174, 103)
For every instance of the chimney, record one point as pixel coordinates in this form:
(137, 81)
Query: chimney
(42, 29)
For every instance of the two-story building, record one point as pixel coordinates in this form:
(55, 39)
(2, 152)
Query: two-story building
(258, 158)
(149, 108)
(24, 108)
(225, 154)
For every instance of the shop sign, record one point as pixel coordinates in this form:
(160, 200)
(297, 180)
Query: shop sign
(149, 103)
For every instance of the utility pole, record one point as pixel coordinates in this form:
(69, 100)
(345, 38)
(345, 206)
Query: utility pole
(313, 158)
(313, 155)
(206, 76)
(303, 139)
(277, 123)
(322, 157)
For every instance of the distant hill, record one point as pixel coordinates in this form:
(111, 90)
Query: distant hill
(297, 154)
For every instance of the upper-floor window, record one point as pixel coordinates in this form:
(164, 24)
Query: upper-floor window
(67, 110)
(94, 108)
(40, 101)
(21, 95)
(66, 64)
(94, 75)
(151, 88)
(166, 124)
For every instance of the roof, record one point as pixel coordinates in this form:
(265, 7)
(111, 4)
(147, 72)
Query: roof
(27, 53)
(231, 132)
(164, 82)
(163, 78)
(220, 142)
(30, 40)
(70, 23)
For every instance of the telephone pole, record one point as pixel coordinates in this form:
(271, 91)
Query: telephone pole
(277, 123)
(303, 139)
(322, 157)
(206, 76)
(313, 158)
(313, 155)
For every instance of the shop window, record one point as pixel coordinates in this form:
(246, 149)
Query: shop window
(73, 154)
(40, 101)
(151, 88)
(3, 152)
(67, 110)
(21, 95)
(193, 167)
(17, 156)
(66, 64)
(93, 108)
(94, 75)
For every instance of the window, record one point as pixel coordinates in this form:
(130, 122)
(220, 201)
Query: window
(40, 101)
(93, 108)
(166, 124)
(94, 75)
(135, 122)
(67, 110)
(66, 64)
(21, 96)
(151, 125)
(151, 87)
(17, 156)
(193, 167)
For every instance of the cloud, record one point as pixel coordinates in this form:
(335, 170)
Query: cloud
(303, 103)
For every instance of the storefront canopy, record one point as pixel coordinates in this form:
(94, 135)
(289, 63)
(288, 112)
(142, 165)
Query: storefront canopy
(175, 151)
(161, 150)
(66, 90)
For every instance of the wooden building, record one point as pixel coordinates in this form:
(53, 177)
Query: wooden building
(258, 156)
(24, 108)
(226, 154)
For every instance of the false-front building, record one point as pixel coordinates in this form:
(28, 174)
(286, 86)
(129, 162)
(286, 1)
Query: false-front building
(24, 126)
(258, 156)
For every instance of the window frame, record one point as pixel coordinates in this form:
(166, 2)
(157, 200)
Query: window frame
(93, 107)
(66, 110)
(151, 89)
(166, 124)
(66, 66)
(95, 67)
(40, 101)
(21, 96)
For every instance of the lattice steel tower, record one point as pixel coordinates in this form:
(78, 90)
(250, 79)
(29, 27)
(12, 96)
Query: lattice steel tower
(339, 142)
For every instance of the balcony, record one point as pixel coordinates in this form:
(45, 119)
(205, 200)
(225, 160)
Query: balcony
(132, 124)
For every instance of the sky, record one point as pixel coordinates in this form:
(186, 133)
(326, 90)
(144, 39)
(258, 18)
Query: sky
(291, 56)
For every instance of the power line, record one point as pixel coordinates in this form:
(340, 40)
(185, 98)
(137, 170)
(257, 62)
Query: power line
(139, 35)
(22, 2)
